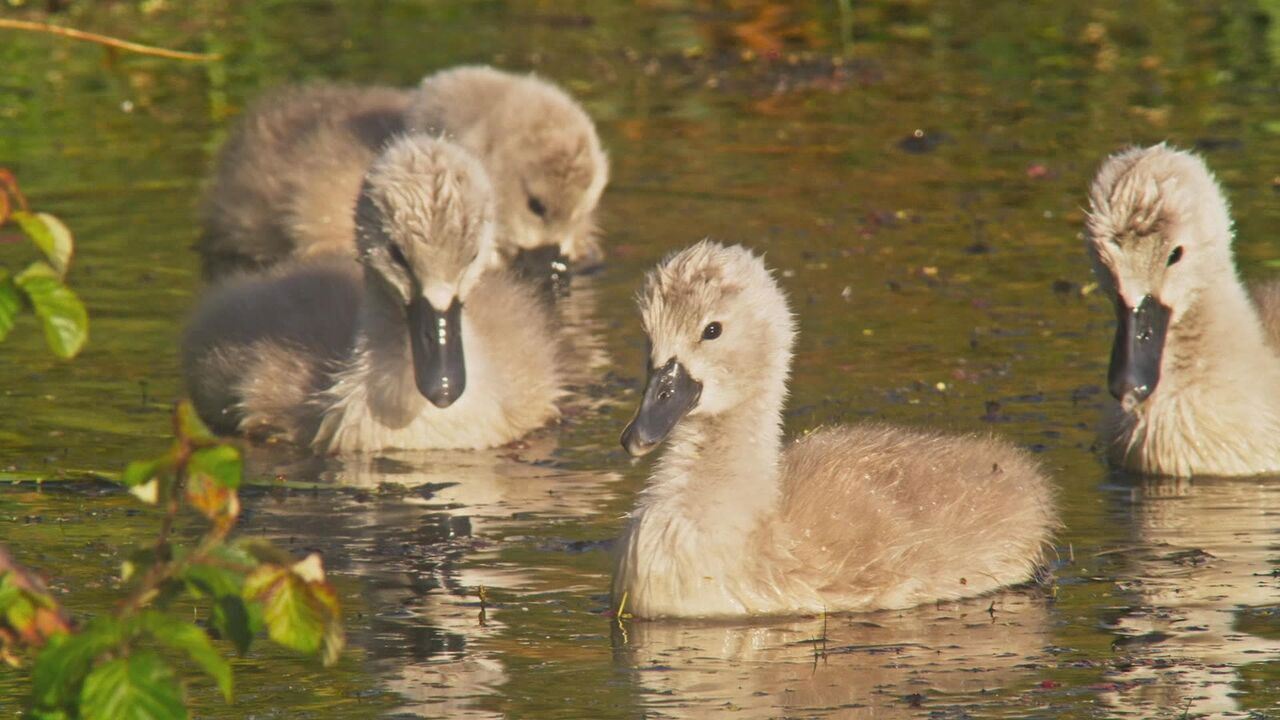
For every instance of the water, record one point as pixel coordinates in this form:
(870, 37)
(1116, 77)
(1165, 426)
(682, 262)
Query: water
(916, 180)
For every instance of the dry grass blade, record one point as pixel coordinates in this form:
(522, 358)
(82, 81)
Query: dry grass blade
(107, 40)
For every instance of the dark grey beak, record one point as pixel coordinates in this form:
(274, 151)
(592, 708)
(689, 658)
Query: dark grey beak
(436, 341)
(1139, 345)
(669, 395)
(544, 266)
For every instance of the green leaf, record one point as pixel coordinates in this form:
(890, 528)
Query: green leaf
(10, 304)
(50, 235)
(233, 619)
(66, 323)
(61, 667)
(292, 619)
(231, 616)
(221, 463)
(190, 426)
(138, 687)
(140, 471)
(301, 609)
(212, 581)
(1272, 263)
(186, 637)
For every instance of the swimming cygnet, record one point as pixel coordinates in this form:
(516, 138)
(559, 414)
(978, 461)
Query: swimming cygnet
(1194, 365)
(286, 182)
(849, 518)
(347, 356)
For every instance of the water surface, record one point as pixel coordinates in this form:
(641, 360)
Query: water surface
(914, 171)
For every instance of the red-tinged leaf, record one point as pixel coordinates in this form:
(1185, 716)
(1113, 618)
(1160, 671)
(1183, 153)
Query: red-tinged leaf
(301, 614)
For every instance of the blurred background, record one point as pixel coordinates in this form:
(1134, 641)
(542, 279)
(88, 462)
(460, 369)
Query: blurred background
(915, 171)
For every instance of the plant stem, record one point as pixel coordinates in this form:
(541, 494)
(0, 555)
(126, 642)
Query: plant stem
(117, 43)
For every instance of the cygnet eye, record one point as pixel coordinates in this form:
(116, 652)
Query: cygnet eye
(712, 331)
(398, 255)
(536, 207)
(1175, 256)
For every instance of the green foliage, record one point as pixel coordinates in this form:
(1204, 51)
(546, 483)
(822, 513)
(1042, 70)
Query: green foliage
(121, 665)
(140, 686)
(41, 286)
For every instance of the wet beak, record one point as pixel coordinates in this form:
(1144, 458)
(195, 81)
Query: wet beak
(669, 395)
(1139, 345)
(435, 338)
(545, 266)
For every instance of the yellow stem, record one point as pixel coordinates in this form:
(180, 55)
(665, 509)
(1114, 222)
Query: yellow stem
(106, 40)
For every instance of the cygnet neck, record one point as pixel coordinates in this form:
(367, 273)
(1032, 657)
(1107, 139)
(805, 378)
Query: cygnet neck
(383, 353)
(731, 457)
(1219, 340)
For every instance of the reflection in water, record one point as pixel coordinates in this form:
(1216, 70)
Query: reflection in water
(424, 530)
(955, 654)
(421, 552)
(1205, 551)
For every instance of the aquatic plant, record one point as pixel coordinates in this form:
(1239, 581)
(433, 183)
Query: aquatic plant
(124, 664)
(41, 286)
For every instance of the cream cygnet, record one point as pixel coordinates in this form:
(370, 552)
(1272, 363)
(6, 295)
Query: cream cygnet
(420, 345)
(287, 180)
(1194, 364)
(849, 518)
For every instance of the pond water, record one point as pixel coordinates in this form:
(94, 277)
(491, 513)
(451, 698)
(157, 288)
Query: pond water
(915, 171)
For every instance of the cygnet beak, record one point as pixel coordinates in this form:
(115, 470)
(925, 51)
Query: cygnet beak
(435, 338)
(545, 266)
(669, 395)
(1138, 348)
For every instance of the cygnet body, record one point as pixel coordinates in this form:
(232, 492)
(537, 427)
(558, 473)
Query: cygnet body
(420, 345)
(854, 518)
(287, 180)
(1194, 365)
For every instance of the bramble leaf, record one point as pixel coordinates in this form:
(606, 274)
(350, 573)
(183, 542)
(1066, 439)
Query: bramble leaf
(190, 427)
(190, 639)
(140, 686)
(50, 235)
(300, 613)
(233, 619)
(231, 616)
(61, 667)
(220, 463)
(66, 323)
(10, 304)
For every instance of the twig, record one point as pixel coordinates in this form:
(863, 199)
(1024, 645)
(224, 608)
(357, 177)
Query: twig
(106, 40)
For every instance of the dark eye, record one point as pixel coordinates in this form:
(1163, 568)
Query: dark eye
(398, 255)
(711, 331)
(1175, 256)
(536, 207)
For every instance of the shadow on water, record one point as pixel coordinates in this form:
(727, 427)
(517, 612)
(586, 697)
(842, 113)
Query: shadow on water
(914, 172)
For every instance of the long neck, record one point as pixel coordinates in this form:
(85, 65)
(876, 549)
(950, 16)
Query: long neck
(1216, 409)
(383, 366)
(1219, 347)
(721, 472)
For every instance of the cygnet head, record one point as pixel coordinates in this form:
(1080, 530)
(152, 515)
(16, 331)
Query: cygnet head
(1159, 234)
(720, 334)
(425, 225)
(539, 146)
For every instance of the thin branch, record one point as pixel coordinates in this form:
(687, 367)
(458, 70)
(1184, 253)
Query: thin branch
(106, 40)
